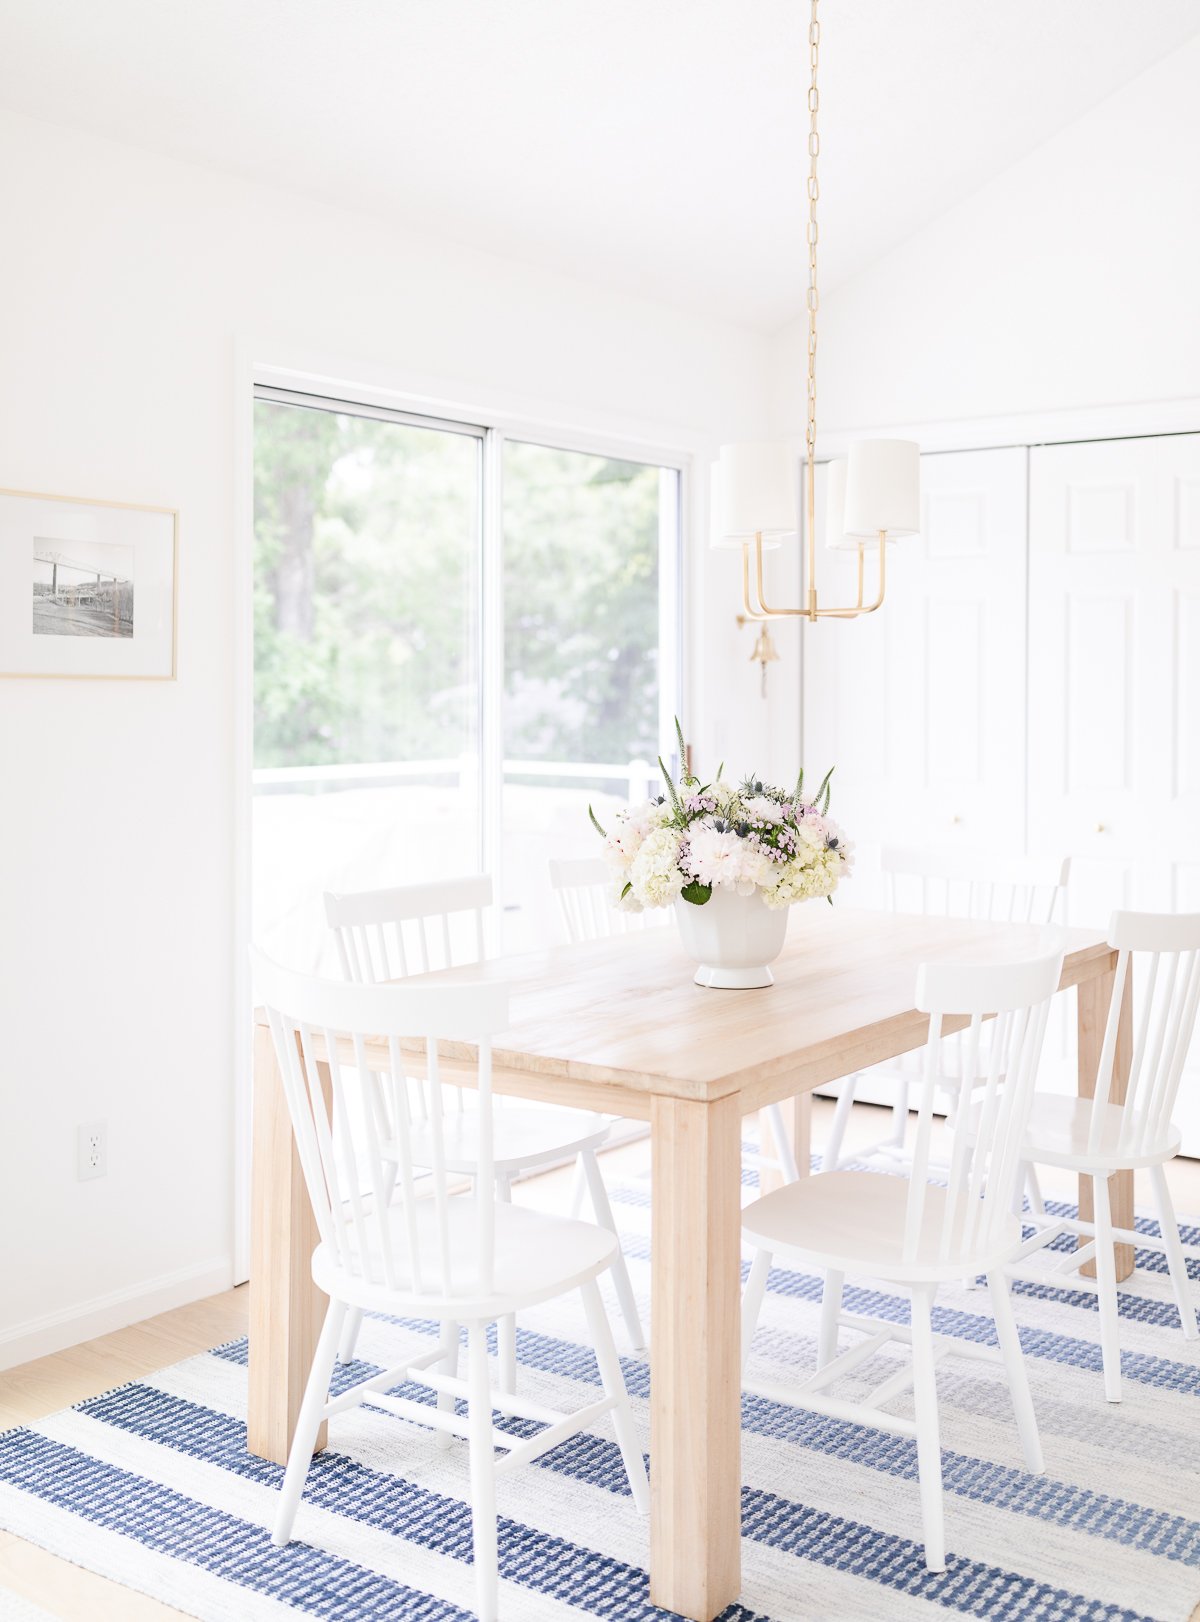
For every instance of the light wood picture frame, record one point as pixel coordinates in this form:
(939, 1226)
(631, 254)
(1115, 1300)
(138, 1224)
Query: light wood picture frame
(89, 589)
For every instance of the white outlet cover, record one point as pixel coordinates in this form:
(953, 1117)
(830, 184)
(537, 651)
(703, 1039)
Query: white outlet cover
(91, 1150)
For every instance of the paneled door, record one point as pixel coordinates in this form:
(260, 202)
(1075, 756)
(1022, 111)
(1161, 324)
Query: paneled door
(1114, 714)
(922, 706)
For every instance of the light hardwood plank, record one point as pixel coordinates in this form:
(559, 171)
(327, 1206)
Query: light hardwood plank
(695, 1397)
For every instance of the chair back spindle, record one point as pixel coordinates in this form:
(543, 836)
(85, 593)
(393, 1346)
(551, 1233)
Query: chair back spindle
(584, 891)
(346, 1052)
(410, 929)
(1166, 947)
(995, 1085)
(958, 884)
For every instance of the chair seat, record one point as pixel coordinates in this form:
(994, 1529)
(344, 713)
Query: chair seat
(1057, 1135)
(521, 1138)
(854, 1221)
(536, 1258)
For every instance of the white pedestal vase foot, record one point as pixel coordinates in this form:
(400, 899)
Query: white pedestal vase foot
(733, 939)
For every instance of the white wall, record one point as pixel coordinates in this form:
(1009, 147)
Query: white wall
(1069, 281)
(127, 286)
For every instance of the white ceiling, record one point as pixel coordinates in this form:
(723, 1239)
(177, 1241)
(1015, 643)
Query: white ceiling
(652, 145)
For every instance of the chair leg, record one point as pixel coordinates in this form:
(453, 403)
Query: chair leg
(831, 1307)
(506, 1327)
(483, 1474)
(900, 1114)
(448, 1366)
(831, 1157)
(1106, 1290)
(752, 1299)
(929, 1451)
(784, 1152)
(613, 1382)
(1176, 1261)
(1034, 1189)
(578, 1192)
(308, 1423)
(349, 1337)
(1014, 1368)
(620, 1269)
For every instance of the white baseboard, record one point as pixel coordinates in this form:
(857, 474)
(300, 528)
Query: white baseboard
(39, 1337)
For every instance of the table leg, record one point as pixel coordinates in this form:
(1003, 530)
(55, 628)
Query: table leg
(797, 1124)
(695, 1399)
(1095, 997)
(286, 1308)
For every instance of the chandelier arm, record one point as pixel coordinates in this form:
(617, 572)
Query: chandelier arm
(768, 611)
(751, 612)
(868, 608)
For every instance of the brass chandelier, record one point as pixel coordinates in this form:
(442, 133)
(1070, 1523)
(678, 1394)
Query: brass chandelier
(872, 496)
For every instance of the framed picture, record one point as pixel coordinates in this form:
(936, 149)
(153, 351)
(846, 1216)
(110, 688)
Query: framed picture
(87, 588)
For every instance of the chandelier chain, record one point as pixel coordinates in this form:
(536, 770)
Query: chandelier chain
(814, 192)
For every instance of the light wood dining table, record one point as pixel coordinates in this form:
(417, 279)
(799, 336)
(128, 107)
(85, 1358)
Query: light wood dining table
(618, 1026)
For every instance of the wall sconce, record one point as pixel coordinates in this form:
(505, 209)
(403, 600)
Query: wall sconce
(764, 651)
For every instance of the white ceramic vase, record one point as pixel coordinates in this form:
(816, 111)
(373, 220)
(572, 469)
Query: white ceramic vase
(733, 938)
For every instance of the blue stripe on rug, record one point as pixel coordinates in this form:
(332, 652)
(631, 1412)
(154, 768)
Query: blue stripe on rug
(587, 1580)
(1162, 1372)
(236, 1551)
(592, 1582)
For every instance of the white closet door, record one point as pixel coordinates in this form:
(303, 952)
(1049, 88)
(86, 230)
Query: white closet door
(1114, 741)
(921, 706)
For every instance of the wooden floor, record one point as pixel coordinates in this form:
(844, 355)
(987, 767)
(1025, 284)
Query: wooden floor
(35, 1389)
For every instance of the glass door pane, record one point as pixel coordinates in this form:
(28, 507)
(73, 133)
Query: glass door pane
(366, 662)
(591, 550)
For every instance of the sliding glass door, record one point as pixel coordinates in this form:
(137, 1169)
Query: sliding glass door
(437, 692)
(590, 656)
(366, 661)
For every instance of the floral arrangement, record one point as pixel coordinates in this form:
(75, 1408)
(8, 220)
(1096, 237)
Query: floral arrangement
(698, 837)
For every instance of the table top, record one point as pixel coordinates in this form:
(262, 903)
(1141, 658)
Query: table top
(625, 1012)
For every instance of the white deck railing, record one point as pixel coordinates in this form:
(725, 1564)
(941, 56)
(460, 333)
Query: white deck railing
(638, 776)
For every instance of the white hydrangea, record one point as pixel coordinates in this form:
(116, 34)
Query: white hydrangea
(655, 873)
(805, 878)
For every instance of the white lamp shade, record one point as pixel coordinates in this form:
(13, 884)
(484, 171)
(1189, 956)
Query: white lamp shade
(835, 509)
(883, 487)
(717, 540)
(758, 490)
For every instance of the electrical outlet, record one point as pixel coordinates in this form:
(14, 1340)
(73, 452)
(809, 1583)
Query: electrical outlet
(91, 1150)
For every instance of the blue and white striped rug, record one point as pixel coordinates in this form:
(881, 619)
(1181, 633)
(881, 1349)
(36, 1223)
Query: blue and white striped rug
(151, 1485)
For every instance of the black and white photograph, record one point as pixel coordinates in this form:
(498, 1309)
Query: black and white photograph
(82, 588)
(71, 568)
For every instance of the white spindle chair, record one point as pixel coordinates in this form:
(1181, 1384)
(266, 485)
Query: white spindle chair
(391, 1244)
(948, 884)
(1097, 1137)
(584, 890)
(386, 935)
(918, 1235)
